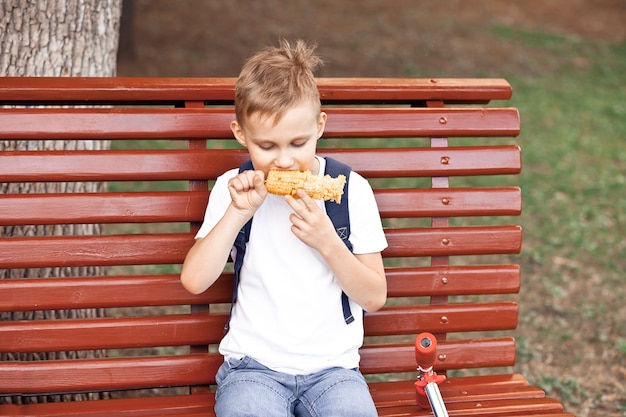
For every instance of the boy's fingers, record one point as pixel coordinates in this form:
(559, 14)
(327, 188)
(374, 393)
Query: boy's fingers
(306, 199)
(296, 205)
(258, 179)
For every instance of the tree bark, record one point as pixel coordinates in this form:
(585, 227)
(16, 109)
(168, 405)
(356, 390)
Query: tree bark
(56, 38)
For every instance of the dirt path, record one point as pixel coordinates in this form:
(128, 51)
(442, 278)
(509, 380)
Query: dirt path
(360, 37)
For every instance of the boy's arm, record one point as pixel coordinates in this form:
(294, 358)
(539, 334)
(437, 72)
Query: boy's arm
(362, 276)
(206, 259)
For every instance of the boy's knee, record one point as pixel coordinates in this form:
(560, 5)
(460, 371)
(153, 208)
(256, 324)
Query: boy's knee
(249, 393)
(344, 393)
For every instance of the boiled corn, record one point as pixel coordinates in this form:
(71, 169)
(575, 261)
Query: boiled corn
(285, 182)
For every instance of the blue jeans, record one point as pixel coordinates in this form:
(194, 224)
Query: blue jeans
(247, 388)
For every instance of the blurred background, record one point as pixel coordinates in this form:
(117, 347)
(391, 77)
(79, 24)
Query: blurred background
(566, 61)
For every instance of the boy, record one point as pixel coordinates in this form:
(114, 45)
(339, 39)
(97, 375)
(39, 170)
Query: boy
(288, 350)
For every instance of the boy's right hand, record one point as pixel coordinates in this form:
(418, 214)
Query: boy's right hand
(247, 191)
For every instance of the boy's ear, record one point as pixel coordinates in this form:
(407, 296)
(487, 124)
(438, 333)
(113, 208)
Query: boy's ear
(238, 132)
(321, 124)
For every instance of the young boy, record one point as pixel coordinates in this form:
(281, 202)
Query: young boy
(288, 350)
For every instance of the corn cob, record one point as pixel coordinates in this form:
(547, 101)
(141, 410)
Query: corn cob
(284, 182)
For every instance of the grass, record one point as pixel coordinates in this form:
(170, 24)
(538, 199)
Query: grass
(575, 159)
(574, 218)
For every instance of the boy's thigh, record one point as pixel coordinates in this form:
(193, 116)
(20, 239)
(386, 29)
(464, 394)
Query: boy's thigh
(337, 392)
(246, 388)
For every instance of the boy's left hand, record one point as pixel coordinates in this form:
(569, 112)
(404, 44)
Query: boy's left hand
(309, 222)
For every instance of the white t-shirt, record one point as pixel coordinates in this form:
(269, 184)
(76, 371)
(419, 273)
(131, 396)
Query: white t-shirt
(288, 314)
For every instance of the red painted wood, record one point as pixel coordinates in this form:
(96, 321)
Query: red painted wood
(111, 333)
(42, 252)
(120, 89)
(543, 407)
(428, 162)
(175, 405)
(457, 389)
(453, 280)
(449, 202)
(442, 319)
(127, 165)
(403, 394)
(418, 122)
(176, 330)
(161, 290)
(213, 123)
(147, 165)
(458, 354)
(106, 292)
(103, 208)
(114, 123)
(190, 206)
(107, 374)
(453, 241)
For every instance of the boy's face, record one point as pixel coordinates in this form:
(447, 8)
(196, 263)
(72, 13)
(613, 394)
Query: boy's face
(289, 144)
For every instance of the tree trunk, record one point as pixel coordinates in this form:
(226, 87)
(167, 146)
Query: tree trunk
(56, 38)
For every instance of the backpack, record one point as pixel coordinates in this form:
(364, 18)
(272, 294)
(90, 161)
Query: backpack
(338, 214)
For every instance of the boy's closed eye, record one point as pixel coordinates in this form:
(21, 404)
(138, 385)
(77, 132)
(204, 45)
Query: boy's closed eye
(299, 143)
(271, 145)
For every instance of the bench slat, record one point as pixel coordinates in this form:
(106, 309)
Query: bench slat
(442, 319)
(454, 280)
(151, 165)
(200, 405)
(477, 240)
(392, 89)
(165, 290)
(154, 207)
(458, 354)
(127, 165)
(157, 249)
(125, 89)
(43, 252)
(120, 373)
(457, 389)
(544, 407)
(416, 122)
(431, 162)
(180, 330)
(108, 374)
(403, 394)
(100, 208)
(195, 405)
(163, 123)
(451, 202)
(106, 292)
(111, 333)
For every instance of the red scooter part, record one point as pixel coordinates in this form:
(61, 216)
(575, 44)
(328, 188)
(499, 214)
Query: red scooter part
(427, 384)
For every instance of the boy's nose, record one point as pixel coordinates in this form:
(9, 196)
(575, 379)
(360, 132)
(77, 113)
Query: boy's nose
(284, 160)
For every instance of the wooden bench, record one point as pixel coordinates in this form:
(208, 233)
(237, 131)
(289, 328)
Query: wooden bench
(425, 145)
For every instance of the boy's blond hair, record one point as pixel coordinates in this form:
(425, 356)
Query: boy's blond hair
(276, 79)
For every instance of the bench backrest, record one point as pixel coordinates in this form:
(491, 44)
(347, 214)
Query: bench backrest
(171, 138)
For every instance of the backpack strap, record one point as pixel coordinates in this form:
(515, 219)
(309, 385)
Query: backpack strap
(240, 244)
(340, 216)
(338, 213)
